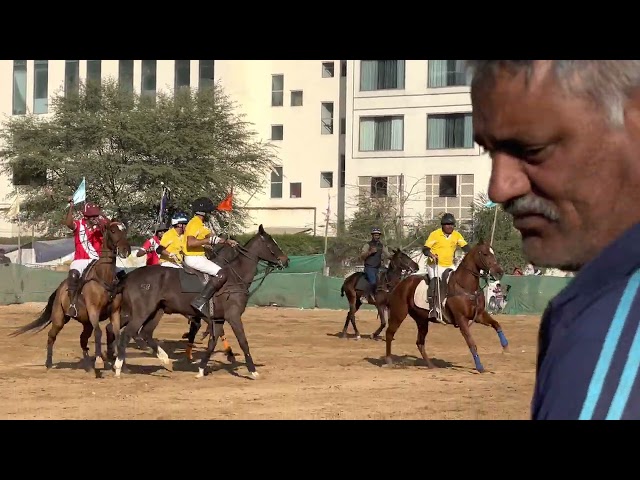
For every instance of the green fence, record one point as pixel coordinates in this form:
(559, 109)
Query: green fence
(530, 294)
(301, 285)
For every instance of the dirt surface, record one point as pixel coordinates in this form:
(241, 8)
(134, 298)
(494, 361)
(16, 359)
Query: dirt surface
(306, 372)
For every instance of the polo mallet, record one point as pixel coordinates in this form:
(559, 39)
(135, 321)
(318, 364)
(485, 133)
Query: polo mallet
(438, 303)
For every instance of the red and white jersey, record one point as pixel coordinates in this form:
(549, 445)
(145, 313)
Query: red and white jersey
(88, 241)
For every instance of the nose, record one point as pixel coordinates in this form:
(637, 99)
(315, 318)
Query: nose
(284, 260)
(508, 179)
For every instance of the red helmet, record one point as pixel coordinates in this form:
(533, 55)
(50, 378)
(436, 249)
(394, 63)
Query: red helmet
(91, 210)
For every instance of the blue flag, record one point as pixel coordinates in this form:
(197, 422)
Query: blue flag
(490, 204)
(81, 193)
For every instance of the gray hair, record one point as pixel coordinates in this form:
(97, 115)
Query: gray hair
(606, 82)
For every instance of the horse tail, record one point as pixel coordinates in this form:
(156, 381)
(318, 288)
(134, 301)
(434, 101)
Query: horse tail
(342, 291)
(41, 322)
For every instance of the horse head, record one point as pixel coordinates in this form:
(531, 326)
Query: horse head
(400, 260)
(485, 259)
(115, 236)
(268, 249)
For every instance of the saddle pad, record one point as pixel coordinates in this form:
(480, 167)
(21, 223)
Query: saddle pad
(191, 283)
(420, 295)
(362, 283)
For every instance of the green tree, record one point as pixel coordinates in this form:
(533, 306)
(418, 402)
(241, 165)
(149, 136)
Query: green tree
(507, 241)
(126, 145)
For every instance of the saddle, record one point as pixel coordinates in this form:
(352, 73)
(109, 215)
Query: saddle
(192, 280)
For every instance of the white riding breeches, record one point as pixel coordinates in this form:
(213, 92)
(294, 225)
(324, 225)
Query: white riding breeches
(202, 264)
(431, 269)
(171, 265)
(81, 264)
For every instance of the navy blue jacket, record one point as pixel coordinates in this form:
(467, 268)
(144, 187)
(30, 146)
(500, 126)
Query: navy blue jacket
(589, 341)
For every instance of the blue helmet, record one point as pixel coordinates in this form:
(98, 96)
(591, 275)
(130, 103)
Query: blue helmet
(179, 218)
(376, 230)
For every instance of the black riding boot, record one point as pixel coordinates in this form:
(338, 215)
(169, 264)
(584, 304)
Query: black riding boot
(214, 284)
(72, 287)
(433, 297)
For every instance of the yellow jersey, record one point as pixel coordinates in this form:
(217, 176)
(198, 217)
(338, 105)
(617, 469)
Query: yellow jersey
(172, 243)
(195, 228)
(444, 247)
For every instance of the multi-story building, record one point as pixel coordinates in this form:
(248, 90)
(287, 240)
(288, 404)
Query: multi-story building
(340, 129)
(410, 136)
(299, 106)
(295, 105)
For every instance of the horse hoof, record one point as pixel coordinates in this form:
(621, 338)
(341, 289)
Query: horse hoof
(168, 366)
(48, 365)
(254, 375)
(506, 349)
(200, 372)
(98, 364)
(117, 374)
(357, 337)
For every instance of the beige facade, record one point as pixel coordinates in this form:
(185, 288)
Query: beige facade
(410, 137)
(295, 105)
(340, 129)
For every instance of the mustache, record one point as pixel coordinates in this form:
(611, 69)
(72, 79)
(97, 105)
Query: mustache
(532, 205)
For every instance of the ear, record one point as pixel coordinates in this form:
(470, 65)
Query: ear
(261, 230)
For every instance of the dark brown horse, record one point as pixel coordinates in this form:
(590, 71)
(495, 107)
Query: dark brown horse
(464, 302)
(149, 292)
(93, 301)
(356, 285)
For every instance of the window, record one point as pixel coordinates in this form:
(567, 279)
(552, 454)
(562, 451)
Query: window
(381, 75)
(276, 182)
(277, 132)
(296, 98)
(343, 126)
(19, 87)
(205, 74)
(448, 186)
(343, 68)
(295, 190)
(94, 70)
(182, 74)
(148, 85)
(326, 118)
(125, 75)
(343, 170)
(277, 90)
(327, 69)
(40, 86)
(447, 73)
(451, 130)
(379, 134)
(379, 187)
(326, 179)
(71, 77)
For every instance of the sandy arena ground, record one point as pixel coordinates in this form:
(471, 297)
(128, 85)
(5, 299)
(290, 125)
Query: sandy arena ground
(306, 373)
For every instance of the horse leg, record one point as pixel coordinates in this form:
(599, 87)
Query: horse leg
(471, 343)
(398, 311)
(383, 323)
(354, 305)
(486, 319)
(58, 321)
(213, 339)
(423, 330)
(194, 326)
(228, 351)
(235, 320)
(147, 334)
(352, 317)
(111, 342)
(94, 318)
(87, 330)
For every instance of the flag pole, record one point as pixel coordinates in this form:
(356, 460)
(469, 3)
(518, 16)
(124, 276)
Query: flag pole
(493, 229)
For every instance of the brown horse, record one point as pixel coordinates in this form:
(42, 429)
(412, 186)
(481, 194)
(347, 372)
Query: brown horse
(355, 286)
(93, 301)
(464, 302)
(151, 291)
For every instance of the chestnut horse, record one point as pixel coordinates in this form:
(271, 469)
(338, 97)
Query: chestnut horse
(355, 285)
(464, 302)
(93, 301)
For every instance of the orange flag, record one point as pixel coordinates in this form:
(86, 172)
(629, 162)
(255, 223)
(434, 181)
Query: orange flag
(226, 204)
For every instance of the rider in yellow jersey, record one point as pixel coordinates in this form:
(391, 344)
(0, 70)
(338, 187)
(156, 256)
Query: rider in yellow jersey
(195, 236)
(170, 248)
(440, 249)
